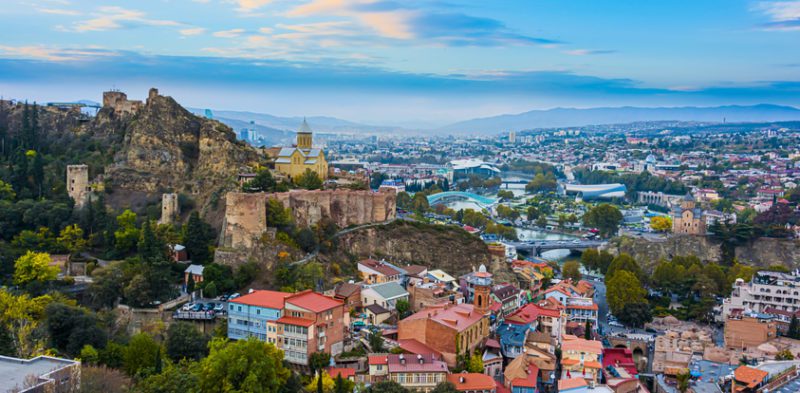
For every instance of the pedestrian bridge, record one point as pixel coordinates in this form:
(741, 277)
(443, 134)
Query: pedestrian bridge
(537, 247)
(444, 197)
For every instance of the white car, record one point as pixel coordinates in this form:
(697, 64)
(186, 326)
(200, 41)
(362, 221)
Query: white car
(187, 306)
(616, 324)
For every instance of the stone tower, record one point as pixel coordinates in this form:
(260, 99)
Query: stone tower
(78, 186)
(152, 94)
(304, 136)
(170, 209)
(481, 282)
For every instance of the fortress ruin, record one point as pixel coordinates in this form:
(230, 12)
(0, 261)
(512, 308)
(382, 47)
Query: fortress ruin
(246, 220)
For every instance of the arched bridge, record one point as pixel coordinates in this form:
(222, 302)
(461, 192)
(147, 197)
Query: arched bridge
(537, 247)
(447, 196)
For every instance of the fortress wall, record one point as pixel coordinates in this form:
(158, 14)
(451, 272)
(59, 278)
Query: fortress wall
(245, 214)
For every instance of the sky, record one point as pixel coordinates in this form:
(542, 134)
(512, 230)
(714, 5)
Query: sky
(406, 62)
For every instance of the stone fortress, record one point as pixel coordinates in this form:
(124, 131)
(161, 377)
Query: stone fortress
(246, 217)
(78, 186)
(119, 102)
(170, 208)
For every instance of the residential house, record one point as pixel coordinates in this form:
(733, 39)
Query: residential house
(378, 367)
(254, 315)
(441, 327)
(439, 275)
(492, 359)
(747, 379)
(420, 373)
(194, 273)
(581, 310)
(425, 293)
(472, 382)
(311, 322)
(350, 294)
(386, 294)
(522, 376)
(508, 296)
(376, 314)
(39, 375)
(512, 339)
(377, 272)
(581, 358)
(549, 320)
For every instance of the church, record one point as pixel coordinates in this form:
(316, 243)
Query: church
(293, 161)
(688, 218)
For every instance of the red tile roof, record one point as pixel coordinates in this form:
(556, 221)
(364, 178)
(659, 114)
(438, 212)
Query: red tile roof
(345, 372)
(263, 298)
(415, 347)
(313, 301)
(458, 317)
(294, 321)
(471, 381)
(530, 381)
(378, 359)
(749, 376)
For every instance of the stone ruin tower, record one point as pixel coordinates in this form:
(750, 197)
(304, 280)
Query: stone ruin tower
(170, 209)
(78, 186)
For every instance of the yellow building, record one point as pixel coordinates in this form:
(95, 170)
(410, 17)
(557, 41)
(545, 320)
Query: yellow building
(293, 161)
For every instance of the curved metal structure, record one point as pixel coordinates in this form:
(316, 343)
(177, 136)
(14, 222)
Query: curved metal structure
(442, 197)
(595, 191)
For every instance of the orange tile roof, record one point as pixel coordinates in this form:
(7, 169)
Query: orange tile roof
(569, 362)
(572, 343)
(471, 381)
(413, 346)
(263, 298)
(294, 321)
(571, 383)
(313, 301)
(749, 376)
(592, 364)
(458, 317)
(592, 306)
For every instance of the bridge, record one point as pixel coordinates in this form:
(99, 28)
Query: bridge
(537, 247)
(443, 197)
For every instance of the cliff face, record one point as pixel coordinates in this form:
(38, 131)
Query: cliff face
(760, 252)
(438, 247)
(165, 148)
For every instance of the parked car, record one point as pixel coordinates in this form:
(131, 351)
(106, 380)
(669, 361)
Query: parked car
(197, 307)
(234, 296)
(616, 324)
(187, 307)
(223, 298)
(208, 307)
(219, 307)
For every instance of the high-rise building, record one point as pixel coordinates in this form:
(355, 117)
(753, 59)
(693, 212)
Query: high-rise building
(512, 137)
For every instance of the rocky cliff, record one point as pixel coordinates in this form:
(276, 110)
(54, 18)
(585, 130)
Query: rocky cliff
(166, 148)
(760, 252)
(438, 247)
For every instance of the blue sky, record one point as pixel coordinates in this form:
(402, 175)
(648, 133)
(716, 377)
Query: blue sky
(405, 62)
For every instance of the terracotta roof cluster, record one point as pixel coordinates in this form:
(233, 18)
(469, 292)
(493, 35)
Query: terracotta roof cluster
(416, 363)
(415, 347)
(751, 377)
(572, 343)
(313, 301)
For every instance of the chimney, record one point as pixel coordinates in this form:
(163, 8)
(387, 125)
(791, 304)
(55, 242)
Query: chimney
(419, 358)
(402, 359)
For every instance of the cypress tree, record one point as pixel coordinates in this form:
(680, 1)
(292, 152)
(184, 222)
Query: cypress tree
(794, 328)
(195, 238)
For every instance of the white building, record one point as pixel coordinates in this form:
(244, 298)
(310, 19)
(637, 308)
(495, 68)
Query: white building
(767, 290)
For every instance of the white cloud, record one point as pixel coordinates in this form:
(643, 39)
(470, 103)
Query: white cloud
(233, 33)
(250, 5)
(394, 23)
(58, 11)
(40, 52)
(784, 15)
(111, 18)
(192, 31)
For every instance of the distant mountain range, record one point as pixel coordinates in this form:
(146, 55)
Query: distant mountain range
(277, 129)
(573, 117)
(277, 124)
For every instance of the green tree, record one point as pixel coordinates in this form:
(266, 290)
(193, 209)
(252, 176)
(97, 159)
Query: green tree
(262, 182)
(445, 387)
(127, 235)
(387, 387)
(341, 385)
(309, 180)
(184, 341)
(175, 378)
(571, 270)
(624, 262)
(250, 366)
(661, 223)
(683, 381)
(89, 355)
(197, 240)
(277, 215)
(505, 194)
(606, 218)
(475, 363)
(6, 191)
(420, 203)
(34, 266)
(150, 247)
(635, 315)
(376, 341)
(404, 201)
(318, 361)
(403, 308)
(541, 221)
(622, 289)
(71, 238)
(784, 355)
(532, 213)
(141, 355)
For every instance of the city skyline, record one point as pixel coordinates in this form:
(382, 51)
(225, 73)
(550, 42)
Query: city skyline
(405, 63)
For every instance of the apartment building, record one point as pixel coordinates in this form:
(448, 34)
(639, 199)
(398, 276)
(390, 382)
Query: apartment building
(767, 290)
(254, 315)
(311, 322)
